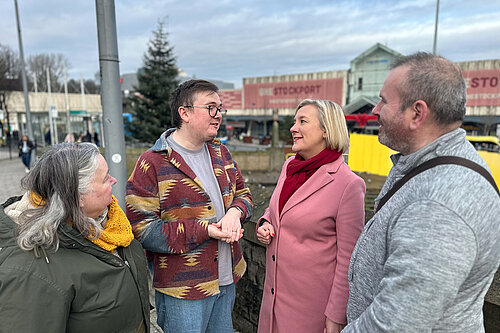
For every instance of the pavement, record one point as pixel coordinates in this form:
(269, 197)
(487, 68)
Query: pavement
(11, 173)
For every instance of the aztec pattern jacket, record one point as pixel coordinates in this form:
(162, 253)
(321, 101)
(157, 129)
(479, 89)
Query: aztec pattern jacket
(170, 212)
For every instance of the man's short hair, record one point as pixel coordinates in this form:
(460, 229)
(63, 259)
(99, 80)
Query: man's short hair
(436, 81)
(185, 94)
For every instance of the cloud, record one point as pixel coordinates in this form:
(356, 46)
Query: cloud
(232, 39)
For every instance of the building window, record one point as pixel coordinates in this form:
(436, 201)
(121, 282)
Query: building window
(360, 83)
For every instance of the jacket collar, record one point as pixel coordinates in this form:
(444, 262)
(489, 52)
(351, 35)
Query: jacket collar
(70, 238)
(440, 146)
(176, 159)
(322, 177)
(161, 144)
(402, 164)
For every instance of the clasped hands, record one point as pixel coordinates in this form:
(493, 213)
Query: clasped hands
(265, 232)
(228, 229)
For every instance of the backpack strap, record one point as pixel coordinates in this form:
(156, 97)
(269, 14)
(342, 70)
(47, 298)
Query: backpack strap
(432, 163)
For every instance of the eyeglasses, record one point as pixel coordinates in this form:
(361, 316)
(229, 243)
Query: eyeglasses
(212, 109)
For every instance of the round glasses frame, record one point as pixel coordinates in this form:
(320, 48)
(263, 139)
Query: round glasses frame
(212, 109)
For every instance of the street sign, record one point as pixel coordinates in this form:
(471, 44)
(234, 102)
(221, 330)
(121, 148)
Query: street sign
(53, 111)
(78, 112)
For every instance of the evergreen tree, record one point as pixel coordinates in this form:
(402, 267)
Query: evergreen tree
(150, 103)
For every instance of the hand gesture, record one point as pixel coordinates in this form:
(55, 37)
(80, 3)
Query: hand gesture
(215, 231)
(265, 233)
(332, 327)
(231, 226)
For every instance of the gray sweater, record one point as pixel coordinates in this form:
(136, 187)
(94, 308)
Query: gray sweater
(425, 261)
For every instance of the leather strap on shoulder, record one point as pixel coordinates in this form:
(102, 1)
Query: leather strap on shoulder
(432, 163)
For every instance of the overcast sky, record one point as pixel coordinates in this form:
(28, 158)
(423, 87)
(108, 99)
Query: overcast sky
(232, 39)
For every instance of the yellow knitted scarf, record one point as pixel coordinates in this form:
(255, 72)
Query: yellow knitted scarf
(36, 200)
(117, 230)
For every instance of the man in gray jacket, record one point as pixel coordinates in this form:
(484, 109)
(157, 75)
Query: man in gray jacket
(426, 259)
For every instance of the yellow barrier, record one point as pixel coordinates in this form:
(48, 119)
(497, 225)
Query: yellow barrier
(366, 154)
(488, 147)
(493, 161)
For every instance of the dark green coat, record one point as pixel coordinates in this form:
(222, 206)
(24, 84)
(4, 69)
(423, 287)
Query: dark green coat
(83, 288)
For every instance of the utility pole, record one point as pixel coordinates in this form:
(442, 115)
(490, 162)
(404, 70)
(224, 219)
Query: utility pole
(84, 104)
(111, 98)
(25, 83)
(68, 118)
(51, 113)
(276, 157)
(4, 107)
(436, 28)
(35, 84)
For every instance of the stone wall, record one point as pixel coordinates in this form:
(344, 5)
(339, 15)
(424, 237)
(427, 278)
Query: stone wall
(491, 306)
(249, 288)
(252, 161)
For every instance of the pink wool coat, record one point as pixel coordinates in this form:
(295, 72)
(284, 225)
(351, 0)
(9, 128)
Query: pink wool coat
(308, 259)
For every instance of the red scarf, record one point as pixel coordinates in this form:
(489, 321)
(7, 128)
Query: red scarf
(300, 170)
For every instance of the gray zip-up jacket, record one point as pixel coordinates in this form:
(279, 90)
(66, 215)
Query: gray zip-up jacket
(425, 261)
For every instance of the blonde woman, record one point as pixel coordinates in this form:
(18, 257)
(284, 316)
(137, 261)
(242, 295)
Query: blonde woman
(315, 216)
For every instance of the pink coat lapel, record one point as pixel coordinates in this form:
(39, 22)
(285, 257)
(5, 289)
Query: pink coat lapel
(322, 177)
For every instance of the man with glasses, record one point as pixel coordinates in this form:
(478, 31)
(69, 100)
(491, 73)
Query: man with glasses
(186, 200)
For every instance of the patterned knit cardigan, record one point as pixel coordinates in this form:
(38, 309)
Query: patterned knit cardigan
(170, 211)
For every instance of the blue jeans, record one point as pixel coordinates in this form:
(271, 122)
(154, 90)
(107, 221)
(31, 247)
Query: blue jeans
(26, 158)
(211, 314)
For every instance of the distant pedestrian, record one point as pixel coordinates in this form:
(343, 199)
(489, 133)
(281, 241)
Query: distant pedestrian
(9, 137)
(95, 138)
(87, 137)
(48, 137)
(25, 147)
(69, 137)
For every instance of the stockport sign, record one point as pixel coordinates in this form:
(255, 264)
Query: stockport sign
(288, 94)
(483, 87)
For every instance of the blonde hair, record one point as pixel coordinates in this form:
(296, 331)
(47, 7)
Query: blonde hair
(332, 121)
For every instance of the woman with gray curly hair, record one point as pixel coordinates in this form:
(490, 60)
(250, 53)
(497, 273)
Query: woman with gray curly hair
(68, 258)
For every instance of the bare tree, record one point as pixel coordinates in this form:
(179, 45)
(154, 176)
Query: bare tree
(56, 63)
(90, 86)
(10, 70)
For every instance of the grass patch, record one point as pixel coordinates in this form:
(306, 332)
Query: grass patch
(132, 157)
